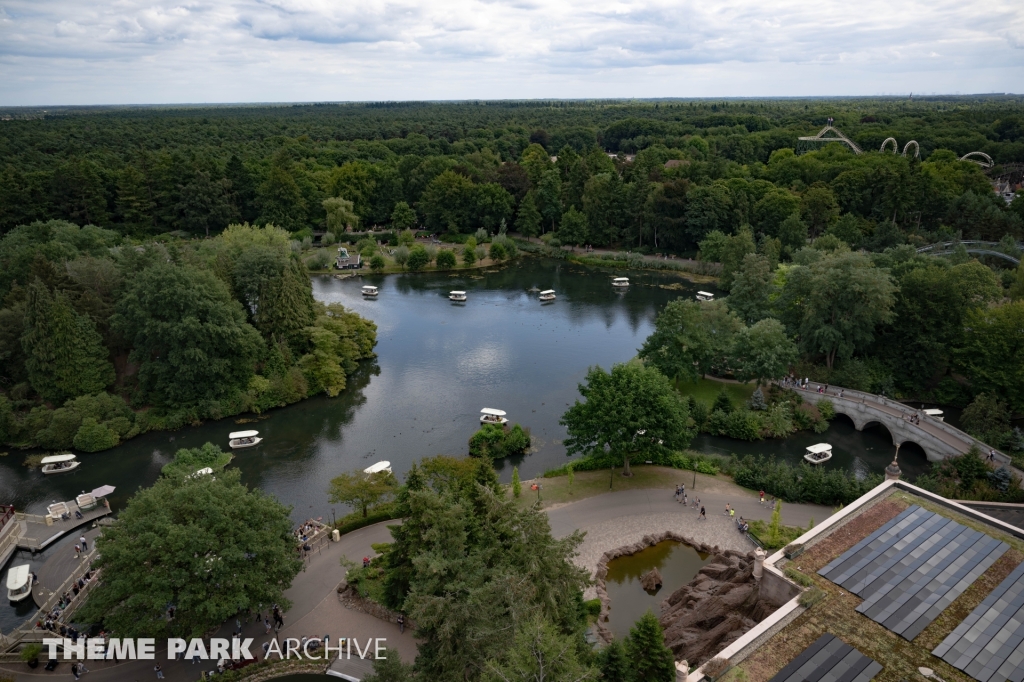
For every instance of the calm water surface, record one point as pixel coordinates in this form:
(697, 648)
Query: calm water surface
(677, 563)
(438, 364)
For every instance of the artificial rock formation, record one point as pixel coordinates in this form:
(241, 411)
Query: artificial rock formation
(651, 580)
(711, 612)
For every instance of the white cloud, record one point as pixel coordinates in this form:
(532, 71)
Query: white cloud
(68, 51)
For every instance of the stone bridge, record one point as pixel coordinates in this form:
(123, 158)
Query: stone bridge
(938, 439)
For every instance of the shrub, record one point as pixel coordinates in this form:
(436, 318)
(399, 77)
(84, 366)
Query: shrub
(802, 483)
(811, 597)
(826, 409)
(406, 238)
(418, 258)
(93, 436)
(445, 259)
(498, 253)
(722, 402)
(799, 578)
(517, 487)
(377, 263)
(496, 441)
(757, 402)
(401, 255)
(716, 667)
(593, 607)
(469, 254)
(30, 652)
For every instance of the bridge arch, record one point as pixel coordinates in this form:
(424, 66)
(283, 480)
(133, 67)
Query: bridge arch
(917, 148)
(895, 145)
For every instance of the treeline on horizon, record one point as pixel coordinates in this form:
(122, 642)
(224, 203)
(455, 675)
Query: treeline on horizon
(461, 166)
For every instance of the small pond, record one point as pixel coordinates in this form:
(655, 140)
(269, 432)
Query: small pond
(677, 562)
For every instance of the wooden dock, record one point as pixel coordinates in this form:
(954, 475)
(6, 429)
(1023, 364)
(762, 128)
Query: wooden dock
(36, 534)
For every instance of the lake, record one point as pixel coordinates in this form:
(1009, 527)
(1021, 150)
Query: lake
(438, 364)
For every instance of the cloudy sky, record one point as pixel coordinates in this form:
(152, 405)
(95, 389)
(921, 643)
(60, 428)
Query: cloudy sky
(165, 51)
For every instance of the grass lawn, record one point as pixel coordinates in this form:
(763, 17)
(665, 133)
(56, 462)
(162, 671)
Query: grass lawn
(706, 390)
(556, 490)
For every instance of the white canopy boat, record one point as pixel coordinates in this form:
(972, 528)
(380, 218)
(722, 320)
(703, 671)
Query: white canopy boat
(244, 439)
(935, 414)
(86, 501)
(705, 296)
(19, 582)
(492, 416)
(370, 290)
(547, 295)
(58, 510)
(620, 282)
(819, 453)
(58, 464)
(377, 468)
(205, 471)
(457, 295)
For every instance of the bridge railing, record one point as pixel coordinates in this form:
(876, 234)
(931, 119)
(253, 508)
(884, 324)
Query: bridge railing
(860, 397)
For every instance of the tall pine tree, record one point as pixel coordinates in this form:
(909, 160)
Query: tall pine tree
(286, 302)
(66, 356)
(651, 660)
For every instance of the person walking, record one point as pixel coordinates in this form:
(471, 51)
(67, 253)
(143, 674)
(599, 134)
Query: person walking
(74, 670)
(401, 623)
(266, 622)
(85, 546)
(78, 551)
(158, 671)
(761, 493)
(702, 515)
(727, 509)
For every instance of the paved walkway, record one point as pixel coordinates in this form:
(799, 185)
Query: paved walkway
(60, 566)
(624, 517)
(610, 520)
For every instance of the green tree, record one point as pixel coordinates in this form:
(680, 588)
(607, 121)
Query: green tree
(418, 258)
(279, 196)
(203, 204)
(341, 214)
(401, 255)
(712, 246)
(993, 351)
(208, 545)
(93, 436)
(497, 252)
(733, 252)
(793, 232)
(691, 339)
(614, 663)
(286, 302)
(722, 402)
(448, 202)
(188, 336)
(630, 412)
(377, 263)
(390, 668)
(650, 659)
(987, 419)
(517, 488)
(772, 210)
(573, 228)
(469, 251)
(445, 259)
(819, 209)
(835, 304)
(363, 491)
(528, 219)
(764, 351)
(540, 652)
(1016, 292)
(402, 217)
(407, 238)
(752, 289)
(64, 354)
(548, 195)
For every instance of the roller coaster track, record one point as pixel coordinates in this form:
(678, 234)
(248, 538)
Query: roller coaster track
(820, 137)
(947, 248)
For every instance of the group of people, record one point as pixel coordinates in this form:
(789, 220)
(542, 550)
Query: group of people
(912, 418)
(51, 621)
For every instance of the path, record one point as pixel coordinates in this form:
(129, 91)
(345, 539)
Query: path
(624, 517)
(54, 573)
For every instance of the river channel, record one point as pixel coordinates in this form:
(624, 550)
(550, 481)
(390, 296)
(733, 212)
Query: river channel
(438, 364)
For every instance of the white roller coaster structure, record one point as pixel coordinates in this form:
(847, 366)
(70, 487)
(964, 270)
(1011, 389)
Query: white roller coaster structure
(839, 137)
(987, 161)
(906, 147)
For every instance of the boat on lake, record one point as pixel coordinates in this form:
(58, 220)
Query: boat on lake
(620, 282)
(818, 453)
(547, 295)
(457, 295)
(58, 510)
(377, 468)
(59, 464)
(491, 416)
(86, 501)
(370, 290)
(705, 296)
(935, 414)
(19, 582)
(244, 439)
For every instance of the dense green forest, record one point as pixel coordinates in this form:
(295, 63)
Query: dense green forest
(462, 166)
(101, 339)
(107, 299)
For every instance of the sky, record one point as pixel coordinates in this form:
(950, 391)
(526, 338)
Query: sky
(171, 51)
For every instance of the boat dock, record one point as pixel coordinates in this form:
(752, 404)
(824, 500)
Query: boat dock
(54, 576)
(38, 532)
